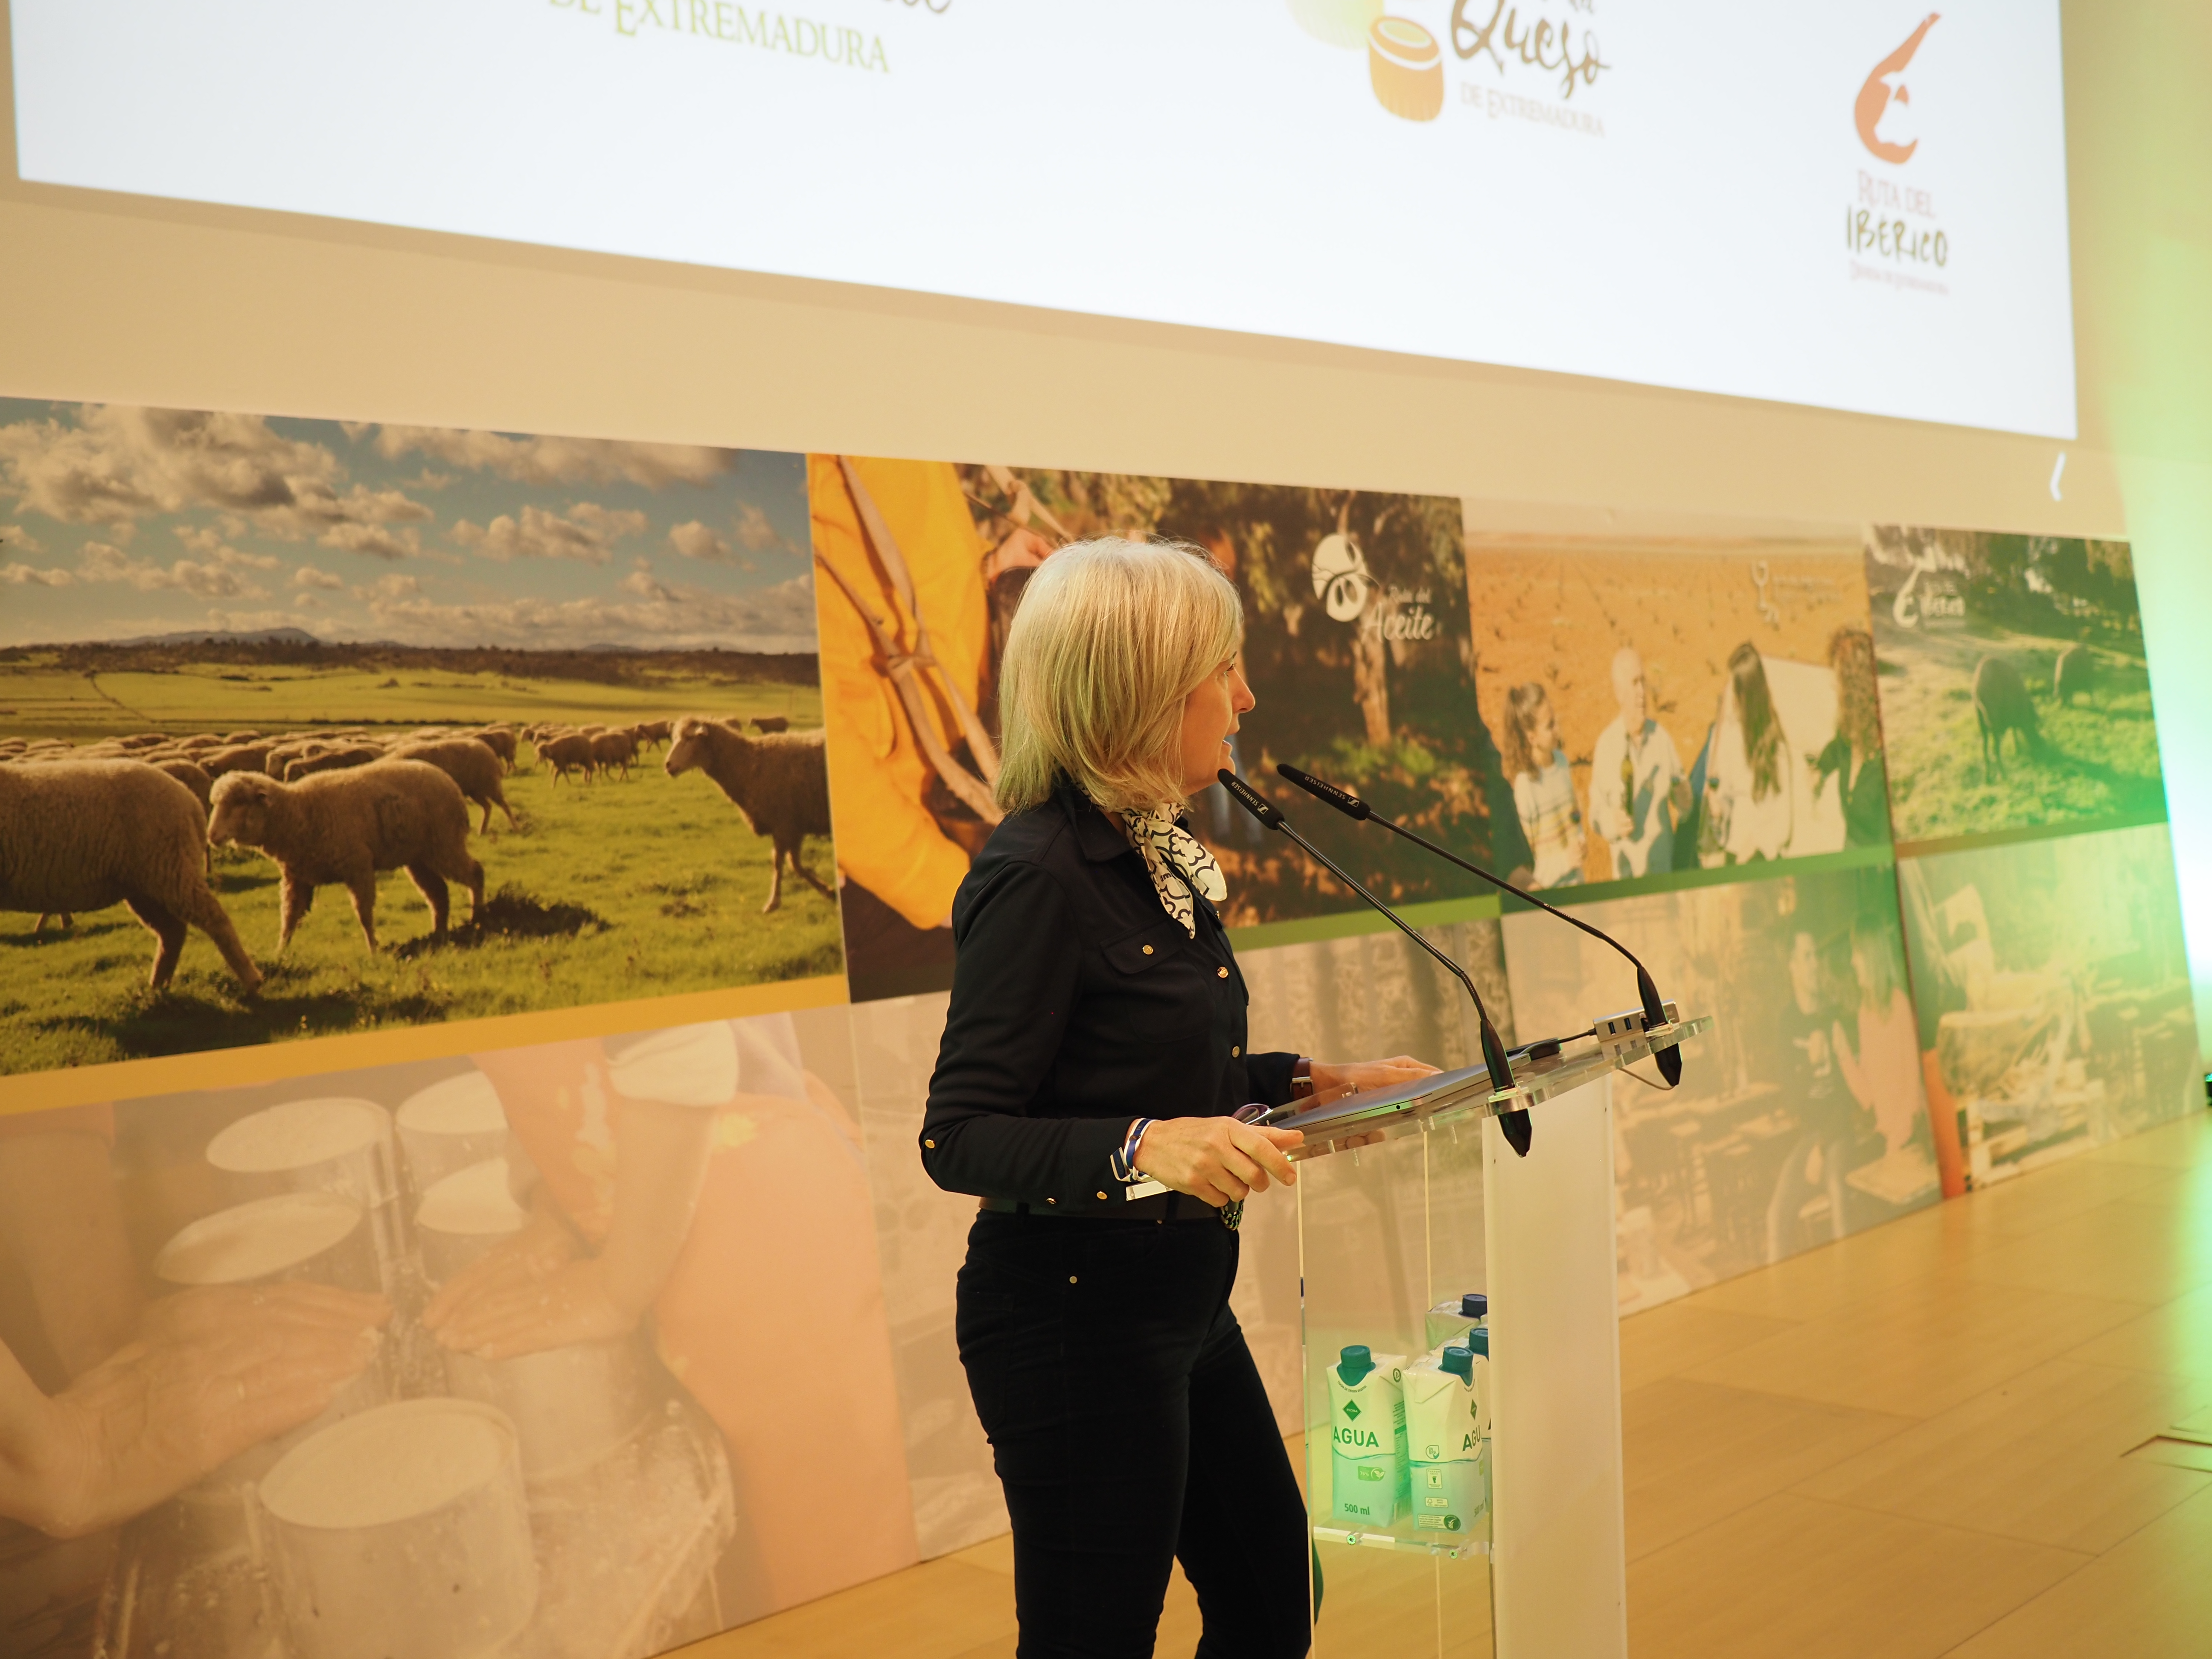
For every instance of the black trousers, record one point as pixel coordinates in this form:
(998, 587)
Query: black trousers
(1130, 1429)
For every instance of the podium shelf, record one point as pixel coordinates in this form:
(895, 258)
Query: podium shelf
(1453, 1549)
(1363, 1119)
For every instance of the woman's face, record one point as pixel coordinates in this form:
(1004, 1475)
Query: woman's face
(1543, 734)
(1209, 715)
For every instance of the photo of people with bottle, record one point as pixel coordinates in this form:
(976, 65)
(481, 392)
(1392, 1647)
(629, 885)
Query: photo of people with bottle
(1801, 1117)
(305, 1345)
(1663, 707)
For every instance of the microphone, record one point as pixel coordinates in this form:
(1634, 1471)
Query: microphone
(1669, 1061)
(1516, 1126)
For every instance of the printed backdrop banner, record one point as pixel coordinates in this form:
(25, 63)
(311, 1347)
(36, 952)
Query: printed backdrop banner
(1859, 207)
(653, 1313)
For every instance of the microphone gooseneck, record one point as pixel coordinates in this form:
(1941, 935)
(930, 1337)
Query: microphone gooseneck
(1669, 1061)
(1516, 1126)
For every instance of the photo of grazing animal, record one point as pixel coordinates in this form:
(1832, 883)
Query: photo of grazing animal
(779, 781)
(2075, 674)
(80, 835)
(613, 751)
(2000, 705)
(521, 692)
(344, 827)
(473, 765)
(2013, 687)
(569, 752)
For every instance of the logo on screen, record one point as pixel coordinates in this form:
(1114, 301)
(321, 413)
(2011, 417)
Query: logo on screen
(1884, 88)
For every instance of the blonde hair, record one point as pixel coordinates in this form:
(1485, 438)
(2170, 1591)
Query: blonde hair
(1110, 638)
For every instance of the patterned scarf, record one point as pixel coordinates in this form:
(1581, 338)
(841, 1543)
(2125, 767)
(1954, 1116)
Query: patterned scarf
(1173, 858)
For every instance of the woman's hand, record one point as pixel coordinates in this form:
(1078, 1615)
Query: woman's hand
(1335, 1078)
(574, 1302)
(1217, 1160)
(536, 1291)
(210, 1372)
(540, 1249)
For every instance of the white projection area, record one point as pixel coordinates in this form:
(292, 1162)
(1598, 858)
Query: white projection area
(1861, 206)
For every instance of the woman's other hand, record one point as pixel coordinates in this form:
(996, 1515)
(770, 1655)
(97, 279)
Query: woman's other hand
(1335, 1078)
(1217, 1160)
(540, 1249)
(577, 1302)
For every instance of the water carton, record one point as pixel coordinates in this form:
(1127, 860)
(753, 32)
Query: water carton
(1447, 1429)
(1367, 1437)
(1450, 1320)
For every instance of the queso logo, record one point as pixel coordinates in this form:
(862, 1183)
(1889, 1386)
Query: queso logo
(1405, 57)
(1885, 86)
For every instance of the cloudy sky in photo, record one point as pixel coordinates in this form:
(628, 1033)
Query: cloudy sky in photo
(116, 522)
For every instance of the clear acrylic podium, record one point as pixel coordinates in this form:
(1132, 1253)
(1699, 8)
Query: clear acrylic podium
(1408, 1199)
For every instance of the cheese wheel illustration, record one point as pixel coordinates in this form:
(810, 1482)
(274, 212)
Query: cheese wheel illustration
(1407, 67)
(1336, 23)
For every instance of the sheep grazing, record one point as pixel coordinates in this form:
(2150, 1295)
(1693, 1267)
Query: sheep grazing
(2000, 705)
(613, 749)
(237, 758)
(650, 732)
(193, 776)
(344, 827)
(765, 724)
(780, 782)
(2076, 670)
(281, 755)
(80, 835)
(470, 764)
(569, 752)
(329, 760)
(499, 740)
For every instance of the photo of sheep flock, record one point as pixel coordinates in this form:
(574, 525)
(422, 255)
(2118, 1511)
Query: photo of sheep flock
(2014, 686)
(308, 729)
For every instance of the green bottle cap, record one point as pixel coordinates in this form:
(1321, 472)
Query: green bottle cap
(1460, 1362)
(1478, 1340)
(1354, 1363)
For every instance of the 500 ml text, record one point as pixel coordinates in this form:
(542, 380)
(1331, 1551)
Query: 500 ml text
(1865, 231)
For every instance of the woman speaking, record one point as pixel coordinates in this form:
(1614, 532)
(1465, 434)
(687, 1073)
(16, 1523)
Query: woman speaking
(1096, 1042)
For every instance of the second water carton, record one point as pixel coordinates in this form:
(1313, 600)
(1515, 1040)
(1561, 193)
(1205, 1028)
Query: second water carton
(1447, 1423)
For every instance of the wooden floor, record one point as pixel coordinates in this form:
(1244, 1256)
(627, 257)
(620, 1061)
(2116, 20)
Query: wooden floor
(1914, 1443)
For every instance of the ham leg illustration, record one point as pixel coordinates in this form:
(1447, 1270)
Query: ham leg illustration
(1874, 97)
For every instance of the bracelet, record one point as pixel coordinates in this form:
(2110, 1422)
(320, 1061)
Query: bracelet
(1123, 1161)
(1301, 1083)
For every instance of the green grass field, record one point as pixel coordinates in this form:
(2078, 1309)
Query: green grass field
(2104, 761)
(611, 890)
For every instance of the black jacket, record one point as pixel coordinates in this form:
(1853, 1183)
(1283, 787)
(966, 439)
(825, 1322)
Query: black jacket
(1079, 1003)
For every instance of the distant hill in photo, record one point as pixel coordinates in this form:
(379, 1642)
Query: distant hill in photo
(294, 648)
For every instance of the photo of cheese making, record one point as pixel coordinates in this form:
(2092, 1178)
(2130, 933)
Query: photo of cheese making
(1671, 706)
(2015, 694)
(1800, 1119)
(451, 1357)
(308, 729)
(2052, 992)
